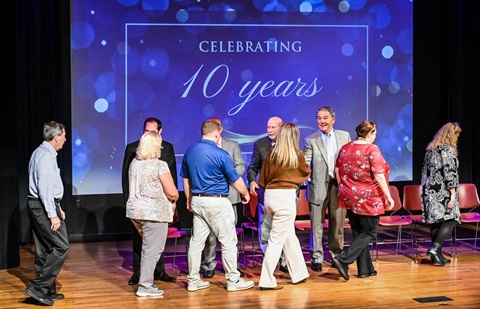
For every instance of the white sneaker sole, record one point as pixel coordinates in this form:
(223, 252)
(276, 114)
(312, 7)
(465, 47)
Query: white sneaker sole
(196, 288)
(144, 294)
(236, 288)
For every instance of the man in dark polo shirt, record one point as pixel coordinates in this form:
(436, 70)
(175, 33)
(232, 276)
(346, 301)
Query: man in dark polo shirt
(207, 170)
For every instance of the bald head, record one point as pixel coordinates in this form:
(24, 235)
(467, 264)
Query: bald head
(274, 125)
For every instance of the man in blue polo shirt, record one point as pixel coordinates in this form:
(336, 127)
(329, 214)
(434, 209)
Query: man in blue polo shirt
(207, 170)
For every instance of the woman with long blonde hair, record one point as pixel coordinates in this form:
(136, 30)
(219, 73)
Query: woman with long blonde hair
(439, 188)
(283, 170)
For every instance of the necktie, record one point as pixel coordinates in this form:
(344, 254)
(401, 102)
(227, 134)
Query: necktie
(330, 156)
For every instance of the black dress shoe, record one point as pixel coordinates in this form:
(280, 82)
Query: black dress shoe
(283, 269)
(342, 268)
(316, 266)
(56, 296)
(164, 277)
(38, 296)
(209, 274)
(134, 279)
(373, 273)
(278, 287)
(242, 274)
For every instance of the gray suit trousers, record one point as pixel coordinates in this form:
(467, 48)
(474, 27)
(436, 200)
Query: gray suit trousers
(336, 217)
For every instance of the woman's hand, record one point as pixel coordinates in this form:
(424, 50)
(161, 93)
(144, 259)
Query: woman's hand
(390, 203)
(452, 199)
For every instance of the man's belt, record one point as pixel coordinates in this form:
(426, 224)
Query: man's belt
(209, 195)
(56, 200)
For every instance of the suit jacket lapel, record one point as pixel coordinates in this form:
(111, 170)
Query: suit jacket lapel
(321, 146)
(340, 140)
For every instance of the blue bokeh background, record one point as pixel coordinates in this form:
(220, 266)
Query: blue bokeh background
(135, 59)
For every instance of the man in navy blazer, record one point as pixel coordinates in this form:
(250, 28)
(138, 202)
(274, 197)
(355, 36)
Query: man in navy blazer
(151, 124)
(260, 149)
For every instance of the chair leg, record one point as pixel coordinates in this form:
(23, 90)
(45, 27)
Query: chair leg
(175, 255)
(174, 264)
(253, 249)
(371, 246)
(241, 249)
(399, 239)
(475, 241)
(454, 237)
(414, 243)
(453, 243)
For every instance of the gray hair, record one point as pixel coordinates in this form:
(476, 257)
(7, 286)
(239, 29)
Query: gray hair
(327, 109)
(52, 129)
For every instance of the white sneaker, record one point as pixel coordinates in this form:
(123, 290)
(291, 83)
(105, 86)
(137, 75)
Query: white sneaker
(240, 285)
(152, 291)
(198, 286)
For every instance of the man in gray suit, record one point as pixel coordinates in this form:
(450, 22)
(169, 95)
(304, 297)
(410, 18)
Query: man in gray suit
(322, 188)
(209, 253)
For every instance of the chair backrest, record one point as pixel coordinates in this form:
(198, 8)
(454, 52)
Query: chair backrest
(175, 218)
(412, 198)
(396, 198)
(468, 196)
(250, 209)
(303, 208)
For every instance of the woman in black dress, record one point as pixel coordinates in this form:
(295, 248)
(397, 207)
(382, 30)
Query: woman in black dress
(440, 188)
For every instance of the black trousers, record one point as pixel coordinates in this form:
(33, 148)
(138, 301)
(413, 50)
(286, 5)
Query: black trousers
(51, 247)
(137, 255)
(364, 230)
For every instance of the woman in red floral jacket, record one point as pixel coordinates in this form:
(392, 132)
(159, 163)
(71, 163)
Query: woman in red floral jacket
(362, 175)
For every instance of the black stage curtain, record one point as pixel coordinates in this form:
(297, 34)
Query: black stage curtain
(446, 88)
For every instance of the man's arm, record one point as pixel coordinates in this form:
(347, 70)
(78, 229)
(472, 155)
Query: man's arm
(168, 155)
(254, 168)
(308, 150)
(240, 186)
(188, 192)
(255, 164)
(127, 159)
(238, 159)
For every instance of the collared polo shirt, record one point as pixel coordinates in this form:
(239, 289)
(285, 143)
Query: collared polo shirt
(209, 168)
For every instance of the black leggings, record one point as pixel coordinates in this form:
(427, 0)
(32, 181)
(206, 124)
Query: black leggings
(441, 230)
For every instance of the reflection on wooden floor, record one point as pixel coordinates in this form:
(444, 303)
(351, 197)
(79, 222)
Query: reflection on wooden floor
(95, 275)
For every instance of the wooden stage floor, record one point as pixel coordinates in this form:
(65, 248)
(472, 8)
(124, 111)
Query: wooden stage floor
(95, 275)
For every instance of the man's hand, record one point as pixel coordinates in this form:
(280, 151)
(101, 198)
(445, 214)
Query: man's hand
(253, 188)
(55, 223)
(246, 199)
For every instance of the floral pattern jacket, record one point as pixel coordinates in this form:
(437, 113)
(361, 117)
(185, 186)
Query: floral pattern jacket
(358, 190)
(439, 175)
